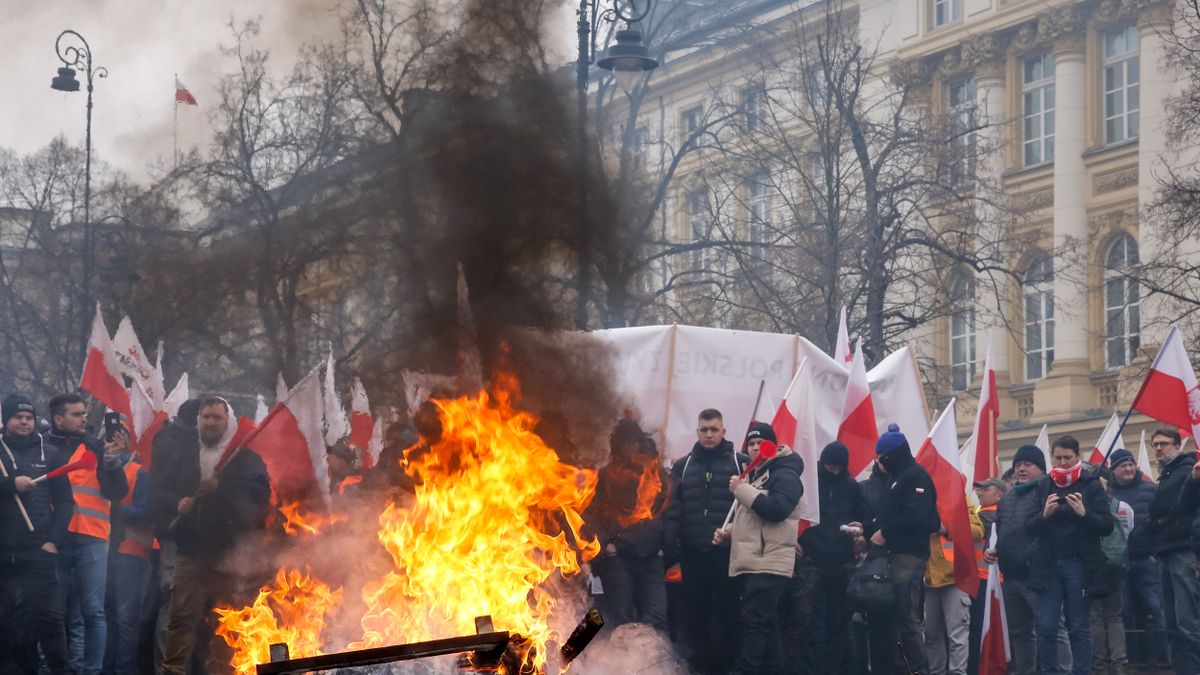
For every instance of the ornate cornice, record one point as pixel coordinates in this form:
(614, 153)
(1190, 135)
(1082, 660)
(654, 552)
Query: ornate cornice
(1115, 180)
(1109, 12)
(953, 63)
(912, 74)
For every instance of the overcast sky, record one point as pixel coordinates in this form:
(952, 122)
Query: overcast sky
(143, 43)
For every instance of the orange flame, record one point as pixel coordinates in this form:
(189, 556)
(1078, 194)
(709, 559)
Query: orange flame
(347, 482)
(483, 534)
(292, 611)
(306, 524)
(649, 487)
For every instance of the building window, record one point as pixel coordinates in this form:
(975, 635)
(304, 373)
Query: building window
(1037, 99)
(759, 189)
(1038, 289)
(700, 221)
(1121, 104)
(1122, 303)
(752, 108)
(814, 86)
(690, 121)
(946, 11)
(964, 122)
(962, 333)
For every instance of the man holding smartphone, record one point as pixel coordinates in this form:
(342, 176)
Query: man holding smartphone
(83, 560)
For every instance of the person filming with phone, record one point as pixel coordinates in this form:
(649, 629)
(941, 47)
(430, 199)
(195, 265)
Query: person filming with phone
(83, 560)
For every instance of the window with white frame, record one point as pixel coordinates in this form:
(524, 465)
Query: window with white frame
(962, 332)
(1038, 289)
(700, 221)
(946, 11)
(815, 85)
(752, 107)
(1121, 104)
(1037, 101)
(1122, 303)
(759, 205)
(690, 121)
(964, 122)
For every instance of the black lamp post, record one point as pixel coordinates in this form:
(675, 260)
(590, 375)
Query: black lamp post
(79, 56)
(628, 59)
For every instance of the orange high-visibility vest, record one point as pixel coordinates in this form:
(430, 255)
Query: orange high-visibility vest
(948, 550)
(91, 508)
(138, 541)
(981, 566)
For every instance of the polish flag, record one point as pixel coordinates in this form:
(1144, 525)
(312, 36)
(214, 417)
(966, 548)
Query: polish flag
(177, 397)
(291, 443)
(1169, 393)
(898, 396)
(858, 430)
(1043, 443)
(281, 389)
(135, 363)
(335, 416)
(361, 423)
(1143, 459)
(994, 653)
(985, 433)
(102, 371)
(182, 95)
(939, 457)
(841, 349)
(147, 420)
(375, 445)
(1112, 430)
(794, 426)
(260, 409)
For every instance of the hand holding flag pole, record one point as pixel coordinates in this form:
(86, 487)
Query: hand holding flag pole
(16, 497)
(766, 450)
(85, 463)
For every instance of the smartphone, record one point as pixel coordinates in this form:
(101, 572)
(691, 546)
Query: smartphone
(112, 424)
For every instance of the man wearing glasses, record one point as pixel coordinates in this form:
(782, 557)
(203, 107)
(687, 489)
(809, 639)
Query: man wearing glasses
(1171, 514)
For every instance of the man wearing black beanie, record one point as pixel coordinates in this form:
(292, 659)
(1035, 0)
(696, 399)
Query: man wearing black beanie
(33, 524)
(1015, 547)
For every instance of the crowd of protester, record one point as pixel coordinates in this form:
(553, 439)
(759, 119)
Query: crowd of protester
(114, 568)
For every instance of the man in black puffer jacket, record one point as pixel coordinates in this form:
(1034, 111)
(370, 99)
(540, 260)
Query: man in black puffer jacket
(699, 501)
(1172, 513)
(1143, 583)
(906, 516)
(31, 610)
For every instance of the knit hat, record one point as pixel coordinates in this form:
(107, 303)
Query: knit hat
(16, 403)
(836, 454)
(891, 440)
(1032, 454)
(1119, 457)
(761, 430)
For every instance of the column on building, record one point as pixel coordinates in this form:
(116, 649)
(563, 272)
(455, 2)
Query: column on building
(1068, 390)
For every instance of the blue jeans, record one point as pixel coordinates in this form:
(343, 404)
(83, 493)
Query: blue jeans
(83, 568)
(131, 577)
(1143, 612)
(1064, 595)
(1181, 607)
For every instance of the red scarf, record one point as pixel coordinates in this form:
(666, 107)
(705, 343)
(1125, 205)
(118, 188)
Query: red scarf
(1065, 477)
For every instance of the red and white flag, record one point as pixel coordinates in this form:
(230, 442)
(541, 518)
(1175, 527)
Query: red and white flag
(281, 389)
(291, 443)
(841, 349)
(261, 410)
(858, 430)
(102, 371)
(939, 457)
(898, 394)
(177, 397)
(1043, 443)
(336, 426)
(361, 423)
(984, 441)
(135, 363)
(994, 653)
(794, 426)
(147, 420)
(1169, 393)
(1111, 430)
(182, 95)
(1143, 459)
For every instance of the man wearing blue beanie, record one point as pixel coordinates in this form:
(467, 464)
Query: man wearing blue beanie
(906, 516)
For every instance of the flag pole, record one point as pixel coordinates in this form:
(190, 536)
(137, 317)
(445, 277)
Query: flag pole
(175, 128)
(753, 415)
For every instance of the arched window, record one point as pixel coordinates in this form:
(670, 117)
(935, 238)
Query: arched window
(1122, 303)
(1038, 291)
(962, 332)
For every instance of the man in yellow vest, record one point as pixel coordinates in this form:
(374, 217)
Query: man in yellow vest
(947, 608)
(133, 529)
(83, 561)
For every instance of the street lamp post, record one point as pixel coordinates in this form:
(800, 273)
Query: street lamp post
(79, 56)
(629, 60)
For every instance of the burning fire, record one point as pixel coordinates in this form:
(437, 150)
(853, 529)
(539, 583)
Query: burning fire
(648, 489)
(292, 610)
(494, 517)
(306, 524)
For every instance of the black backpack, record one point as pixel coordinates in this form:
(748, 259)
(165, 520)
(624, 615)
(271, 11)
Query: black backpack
(870, 587)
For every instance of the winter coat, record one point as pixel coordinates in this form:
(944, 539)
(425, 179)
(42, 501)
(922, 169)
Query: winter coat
(1015, 547)
(907, 509)
(615, 501)
(1065, 535)
(1171, 514)
(939, 571)
(1138, 495)
(841, 502)
(762, 534)
(238, 506)
(109, 473)
(49, 504)
(700, 496)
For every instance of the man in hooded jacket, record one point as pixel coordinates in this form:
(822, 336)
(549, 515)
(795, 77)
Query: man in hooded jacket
(221, 505)
(699, 501)
(1142, 590)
